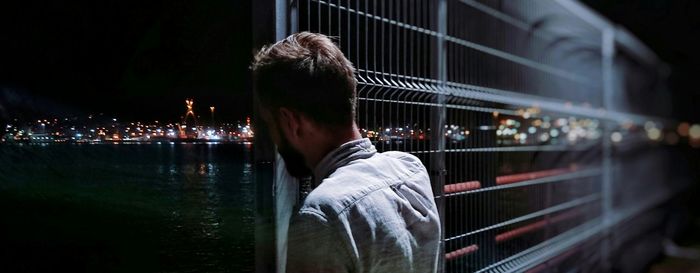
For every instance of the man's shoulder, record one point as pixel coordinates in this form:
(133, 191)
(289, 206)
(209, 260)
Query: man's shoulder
(403, 159)
(387, 165)
(400, 155)
(352, 183)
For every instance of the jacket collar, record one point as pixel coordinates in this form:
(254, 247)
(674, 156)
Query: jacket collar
(341, 156)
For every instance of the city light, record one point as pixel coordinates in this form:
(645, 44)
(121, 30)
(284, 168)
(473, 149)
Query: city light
(694, 132)
(513, 128)
(97, 129)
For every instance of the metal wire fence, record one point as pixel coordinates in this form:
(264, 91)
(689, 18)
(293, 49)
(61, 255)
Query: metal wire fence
(521, 111)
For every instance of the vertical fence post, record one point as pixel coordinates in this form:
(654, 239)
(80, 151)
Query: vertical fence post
(270, 23)
(285, 187)
(438, 116)
(608, 59)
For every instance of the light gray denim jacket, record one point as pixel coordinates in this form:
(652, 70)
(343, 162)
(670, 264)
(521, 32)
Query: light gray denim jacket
(370, 212)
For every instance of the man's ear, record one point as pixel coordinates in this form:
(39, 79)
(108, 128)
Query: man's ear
(289, 122)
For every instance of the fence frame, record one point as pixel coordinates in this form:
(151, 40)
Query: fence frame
(275, 19)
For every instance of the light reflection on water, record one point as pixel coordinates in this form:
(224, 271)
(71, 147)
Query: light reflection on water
(184, 207)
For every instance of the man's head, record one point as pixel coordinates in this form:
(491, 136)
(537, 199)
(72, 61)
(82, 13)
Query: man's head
(306, 89)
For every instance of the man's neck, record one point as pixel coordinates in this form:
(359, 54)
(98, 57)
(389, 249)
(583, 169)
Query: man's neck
(334, 142)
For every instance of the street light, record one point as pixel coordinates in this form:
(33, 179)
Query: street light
(212, 108)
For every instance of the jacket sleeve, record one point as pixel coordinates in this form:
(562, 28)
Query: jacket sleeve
(314, 246)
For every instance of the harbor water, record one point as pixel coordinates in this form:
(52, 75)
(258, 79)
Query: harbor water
(160, 207)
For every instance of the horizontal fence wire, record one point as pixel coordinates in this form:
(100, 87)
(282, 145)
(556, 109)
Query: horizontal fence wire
(510, 107)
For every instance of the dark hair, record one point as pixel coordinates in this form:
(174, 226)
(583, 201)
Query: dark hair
(308, 73)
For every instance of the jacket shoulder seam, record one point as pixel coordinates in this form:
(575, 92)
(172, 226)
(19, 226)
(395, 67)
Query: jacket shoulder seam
(385, 184)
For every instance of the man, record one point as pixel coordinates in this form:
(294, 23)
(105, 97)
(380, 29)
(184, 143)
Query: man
(368, 211)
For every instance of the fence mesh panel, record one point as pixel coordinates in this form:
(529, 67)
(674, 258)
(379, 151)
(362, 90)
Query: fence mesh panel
(505, 102)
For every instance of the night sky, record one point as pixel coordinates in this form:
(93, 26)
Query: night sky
(672, 30)
(133, 59)
(139, 60)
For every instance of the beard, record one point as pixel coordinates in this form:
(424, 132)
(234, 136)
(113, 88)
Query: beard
(293, 160)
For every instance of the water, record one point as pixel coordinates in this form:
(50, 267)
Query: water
(126, 208)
